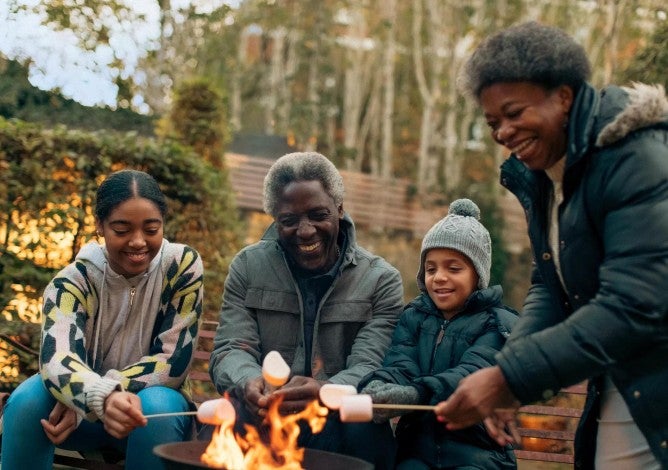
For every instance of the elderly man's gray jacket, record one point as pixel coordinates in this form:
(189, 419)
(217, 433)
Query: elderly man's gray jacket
(262, 311)
(613, 251)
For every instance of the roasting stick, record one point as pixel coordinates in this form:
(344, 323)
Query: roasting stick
(176, 413)
(397, 406)
(213, 412)
(332, 396)
(359, 408)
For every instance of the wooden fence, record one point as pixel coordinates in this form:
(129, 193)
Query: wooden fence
(371, 201)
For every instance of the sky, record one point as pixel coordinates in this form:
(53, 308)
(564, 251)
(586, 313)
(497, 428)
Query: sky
(57, 60)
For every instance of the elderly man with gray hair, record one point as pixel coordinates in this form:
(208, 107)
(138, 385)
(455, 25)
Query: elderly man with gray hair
(310, 292)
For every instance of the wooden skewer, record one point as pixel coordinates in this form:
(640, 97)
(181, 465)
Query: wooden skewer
(387, 406)
(396, 406)
(177, 413)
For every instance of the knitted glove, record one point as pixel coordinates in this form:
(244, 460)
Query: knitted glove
(390, 393)
(372, 387)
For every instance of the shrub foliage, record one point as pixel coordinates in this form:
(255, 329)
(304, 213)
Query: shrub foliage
(48, 179)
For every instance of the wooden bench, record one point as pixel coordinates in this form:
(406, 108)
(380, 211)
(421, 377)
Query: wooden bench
(548, 430)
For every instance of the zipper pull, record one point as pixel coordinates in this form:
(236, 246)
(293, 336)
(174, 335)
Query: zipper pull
(441, 333)
(133, 291)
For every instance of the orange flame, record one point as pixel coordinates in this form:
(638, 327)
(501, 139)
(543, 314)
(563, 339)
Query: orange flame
(234, 452)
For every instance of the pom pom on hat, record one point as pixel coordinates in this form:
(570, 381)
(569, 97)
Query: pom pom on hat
(462, 231)
(464, 207)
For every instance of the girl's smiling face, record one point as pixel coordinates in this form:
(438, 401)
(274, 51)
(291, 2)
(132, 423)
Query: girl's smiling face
(528, 120)
(450, 278)
(133, 235)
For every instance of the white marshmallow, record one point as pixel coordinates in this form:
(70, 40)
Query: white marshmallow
(331, 394)
(216, 412)
(356, 408)
(275, 370)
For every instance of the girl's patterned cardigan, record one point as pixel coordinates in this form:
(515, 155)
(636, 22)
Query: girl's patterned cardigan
(71, 302)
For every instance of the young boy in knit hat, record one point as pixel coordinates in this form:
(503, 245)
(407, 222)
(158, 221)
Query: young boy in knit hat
(453, 328)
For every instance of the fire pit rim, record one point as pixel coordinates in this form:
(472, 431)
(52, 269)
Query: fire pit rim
(186, 449)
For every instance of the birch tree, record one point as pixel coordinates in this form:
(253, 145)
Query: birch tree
(389, 58)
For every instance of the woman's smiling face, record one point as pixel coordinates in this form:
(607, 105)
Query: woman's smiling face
(528, 120)
(132, 235)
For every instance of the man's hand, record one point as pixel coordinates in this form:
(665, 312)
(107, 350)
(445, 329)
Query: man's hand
(254, 398)
(61, 423)
(477, 397)
(297, 394)
(122, 414)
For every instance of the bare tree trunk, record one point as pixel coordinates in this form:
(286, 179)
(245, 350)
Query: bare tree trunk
(612, 27)
(275, 79)
(430, 94)
(313, 98)
(356, 85)
(387, 134)
(365, 139)
(285, 88)
(236, 78)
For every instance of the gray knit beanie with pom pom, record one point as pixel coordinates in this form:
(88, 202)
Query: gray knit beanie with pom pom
(460, 230)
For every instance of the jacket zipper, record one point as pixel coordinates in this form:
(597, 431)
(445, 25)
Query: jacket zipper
(439, 339)
(133, 291)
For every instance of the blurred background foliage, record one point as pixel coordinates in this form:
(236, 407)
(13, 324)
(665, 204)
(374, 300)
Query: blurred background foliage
(48, 179)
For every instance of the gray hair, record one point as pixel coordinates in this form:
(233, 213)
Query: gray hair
(301, 166)
(528, 52)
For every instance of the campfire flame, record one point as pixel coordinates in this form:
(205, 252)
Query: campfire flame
(234, 452)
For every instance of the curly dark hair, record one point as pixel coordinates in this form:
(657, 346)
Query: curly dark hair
(527, 52)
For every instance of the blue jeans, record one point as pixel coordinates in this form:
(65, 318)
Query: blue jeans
(25, 444)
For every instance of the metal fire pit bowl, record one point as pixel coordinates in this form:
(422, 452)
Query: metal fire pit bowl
(186, 456)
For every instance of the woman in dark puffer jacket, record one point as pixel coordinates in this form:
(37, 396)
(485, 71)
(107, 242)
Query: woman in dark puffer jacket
(590, 169)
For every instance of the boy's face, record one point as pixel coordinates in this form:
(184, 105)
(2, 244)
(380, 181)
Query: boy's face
(450, 278)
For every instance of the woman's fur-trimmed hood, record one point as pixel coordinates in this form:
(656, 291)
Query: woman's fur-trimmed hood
(647, 105)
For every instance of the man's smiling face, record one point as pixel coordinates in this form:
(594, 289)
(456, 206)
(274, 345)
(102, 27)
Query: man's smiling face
(308, 225)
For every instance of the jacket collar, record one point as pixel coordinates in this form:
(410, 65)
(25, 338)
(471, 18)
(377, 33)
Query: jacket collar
(480, 300)
(603, 118)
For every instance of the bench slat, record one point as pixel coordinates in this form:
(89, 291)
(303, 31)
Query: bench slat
(543, 456)
(552, 411)
(547, 434)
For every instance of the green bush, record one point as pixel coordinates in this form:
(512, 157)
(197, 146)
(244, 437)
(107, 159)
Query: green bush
(48, 179)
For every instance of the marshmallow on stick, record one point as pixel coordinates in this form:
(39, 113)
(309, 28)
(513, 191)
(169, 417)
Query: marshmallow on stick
(359, 408)
(275, 370)
(331, 394)
(214, 412)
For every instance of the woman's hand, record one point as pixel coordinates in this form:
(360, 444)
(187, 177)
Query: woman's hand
(477, 397)
(122, 414)
(501, 426)
(61, 423)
